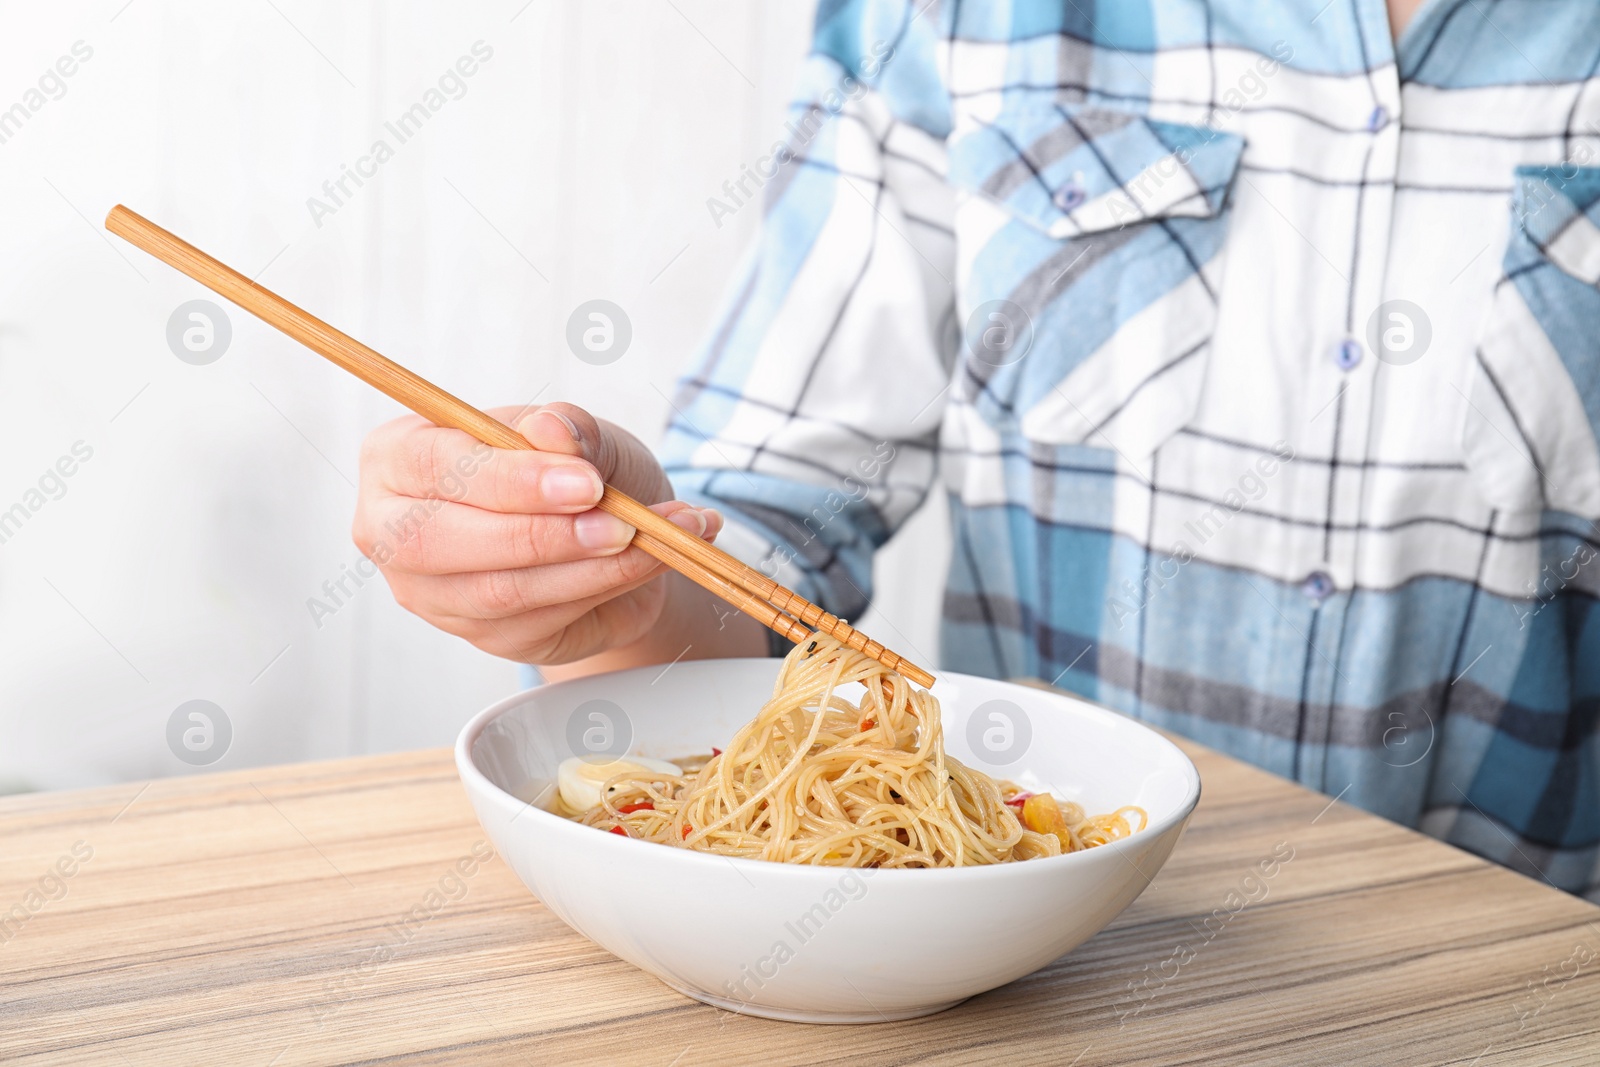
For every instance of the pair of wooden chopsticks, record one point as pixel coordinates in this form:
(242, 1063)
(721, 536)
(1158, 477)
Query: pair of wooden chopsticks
(745, 588)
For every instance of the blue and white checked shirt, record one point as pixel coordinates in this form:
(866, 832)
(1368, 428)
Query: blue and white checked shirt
(1259, 356)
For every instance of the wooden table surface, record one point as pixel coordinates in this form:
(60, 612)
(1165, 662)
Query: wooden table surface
(261, 918)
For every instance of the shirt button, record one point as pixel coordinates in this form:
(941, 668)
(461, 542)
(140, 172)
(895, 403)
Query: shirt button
(1317, 587)
(1347, 354)
(1378, 119)
(1068, 196)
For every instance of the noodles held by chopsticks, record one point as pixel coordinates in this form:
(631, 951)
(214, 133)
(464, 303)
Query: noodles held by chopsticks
(817, 779)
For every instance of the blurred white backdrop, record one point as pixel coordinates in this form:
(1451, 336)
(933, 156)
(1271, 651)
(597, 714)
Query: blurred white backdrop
(175, 563)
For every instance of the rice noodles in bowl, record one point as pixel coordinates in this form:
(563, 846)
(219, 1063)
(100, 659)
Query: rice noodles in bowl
(817, 778)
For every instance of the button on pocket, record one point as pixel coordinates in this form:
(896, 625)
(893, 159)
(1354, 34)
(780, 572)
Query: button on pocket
(1105, 229)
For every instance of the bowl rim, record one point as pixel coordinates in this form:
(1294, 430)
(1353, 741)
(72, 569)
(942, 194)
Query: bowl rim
(471, 775)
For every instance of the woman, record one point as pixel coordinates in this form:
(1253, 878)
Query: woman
(1263, 417)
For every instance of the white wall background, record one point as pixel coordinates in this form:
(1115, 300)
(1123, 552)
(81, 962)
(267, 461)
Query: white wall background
(178, 561)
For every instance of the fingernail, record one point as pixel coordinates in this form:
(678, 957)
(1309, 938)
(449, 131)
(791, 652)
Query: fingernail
(600, 532)
(572, 427)
(714, 520)
(690, 519)
(570, 486)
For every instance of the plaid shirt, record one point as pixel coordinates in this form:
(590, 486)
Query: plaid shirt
(1259, 357)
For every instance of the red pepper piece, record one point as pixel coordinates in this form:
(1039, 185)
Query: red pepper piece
(686, 832)
(1019, 800)
(715, 751)
(619, 830)
(629, 809)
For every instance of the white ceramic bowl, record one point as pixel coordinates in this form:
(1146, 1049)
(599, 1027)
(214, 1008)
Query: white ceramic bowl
(817, 944)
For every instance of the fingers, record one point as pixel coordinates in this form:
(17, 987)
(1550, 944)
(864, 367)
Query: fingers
(417, 460)
(505, 547)
(573, 455)
(568, 632)
(440, 537)
(507, 591)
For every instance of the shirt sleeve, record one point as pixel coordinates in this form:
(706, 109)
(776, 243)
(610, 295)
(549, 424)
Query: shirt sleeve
(810, 415)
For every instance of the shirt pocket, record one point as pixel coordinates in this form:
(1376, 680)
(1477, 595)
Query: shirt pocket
(1534, 385)
(1089, 255)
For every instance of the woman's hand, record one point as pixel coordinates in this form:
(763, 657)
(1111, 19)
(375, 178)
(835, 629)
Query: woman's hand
(505, 548)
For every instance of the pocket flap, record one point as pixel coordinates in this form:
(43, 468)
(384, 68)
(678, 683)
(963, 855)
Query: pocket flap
(1558, 208)
(1077, 169)
(1533, 412)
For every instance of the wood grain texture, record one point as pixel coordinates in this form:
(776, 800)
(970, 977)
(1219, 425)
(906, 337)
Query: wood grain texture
(261, 917)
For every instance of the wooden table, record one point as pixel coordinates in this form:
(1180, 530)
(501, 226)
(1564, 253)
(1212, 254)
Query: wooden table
(270, 917)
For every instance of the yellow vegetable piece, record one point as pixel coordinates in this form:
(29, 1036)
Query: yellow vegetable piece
(1041, 814)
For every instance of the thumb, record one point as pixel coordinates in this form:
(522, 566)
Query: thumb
(568, 430)
(620, 458)
(549, 430)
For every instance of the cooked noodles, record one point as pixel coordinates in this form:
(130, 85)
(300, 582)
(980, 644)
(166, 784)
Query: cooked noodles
(817, 779)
